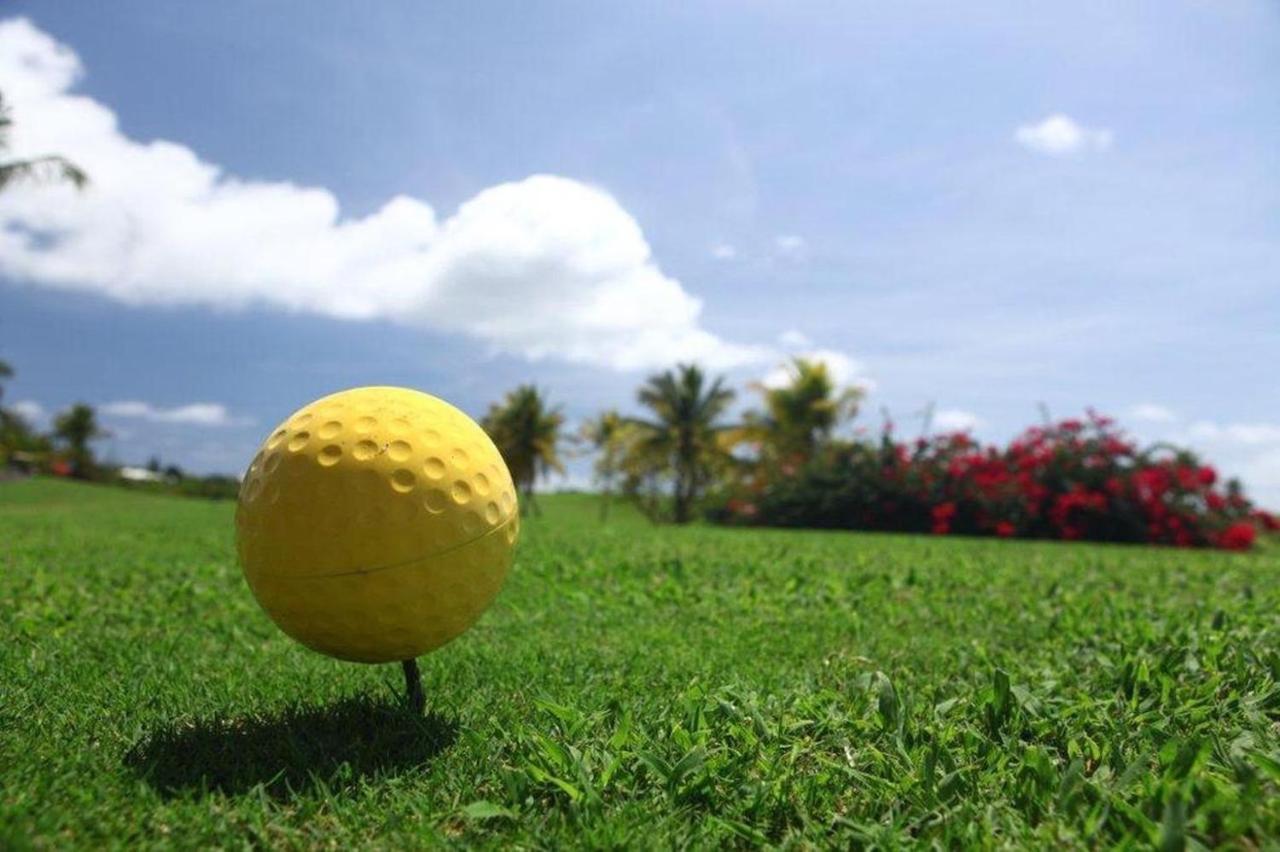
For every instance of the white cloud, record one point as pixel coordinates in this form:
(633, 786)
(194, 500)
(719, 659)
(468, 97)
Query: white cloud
(794, 339)
(29, 410)
(545, 267)
(955, 420)
(1249, 452)
(1148, 412)
(1060, 134)
(196, 413)
(723, 251)
(1264, 479)
(844, 371)
(790, 246)
(1244, 434)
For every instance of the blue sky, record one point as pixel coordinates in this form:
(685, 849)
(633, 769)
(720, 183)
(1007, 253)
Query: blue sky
(983, 208)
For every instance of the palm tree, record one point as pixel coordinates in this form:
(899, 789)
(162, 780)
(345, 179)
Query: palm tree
(6, 372)
(527, 433)
(801, 415)
(608, 434)
(50, 167)
(685, 435)
(17, 436)
(75, 428)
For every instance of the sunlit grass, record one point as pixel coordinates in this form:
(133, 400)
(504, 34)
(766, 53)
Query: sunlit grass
(639, 686)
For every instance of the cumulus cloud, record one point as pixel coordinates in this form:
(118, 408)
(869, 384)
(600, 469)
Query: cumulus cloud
(794, 339)
(195, 414)
(955, 420)
(1059, 134)
(844, 371)
(1245, 434)
(1149, 412)
(723, 251)
(545, 267)
(790, 246)
(29, 410)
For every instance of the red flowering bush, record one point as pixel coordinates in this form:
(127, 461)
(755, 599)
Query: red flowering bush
(1072, 480)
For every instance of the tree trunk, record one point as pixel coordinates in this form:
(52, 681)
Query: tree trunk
(682, 498)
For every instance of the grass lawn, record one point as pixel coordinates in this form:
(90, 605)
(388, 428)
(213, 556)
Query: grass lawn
(641, 687)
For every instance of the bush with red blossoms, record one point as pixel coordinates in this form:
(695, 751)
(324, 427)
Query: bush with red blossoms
(1071, 480)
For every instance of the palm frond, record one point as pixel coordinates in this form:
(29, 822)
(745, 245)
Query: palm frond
(44, 170)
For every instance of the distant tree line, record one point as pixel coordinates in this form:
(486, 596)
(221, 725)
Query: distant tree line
(683, 445)
(786, 463)
(67, 450)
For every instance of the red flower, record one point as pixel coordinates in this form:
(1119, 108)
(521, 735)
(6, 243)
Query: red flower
(1116, 447)
(942, 515)
(1188, 478)
(1151, 483)
(1238, 536)
(1080, 478)
(1075, 500)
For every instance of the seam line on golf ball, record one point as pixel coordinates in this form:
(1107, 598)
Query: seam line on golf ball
(432, 555)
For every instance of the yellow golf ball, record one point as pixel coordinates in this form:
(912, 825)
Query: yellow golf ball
(376, 524)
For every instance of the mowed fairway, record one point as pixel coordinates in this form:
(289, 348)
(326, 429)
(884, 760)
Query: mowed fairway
(642, 687)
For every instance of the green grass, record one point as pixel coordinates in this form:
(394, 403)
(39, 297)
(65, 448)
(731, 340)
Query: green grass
(640, 687)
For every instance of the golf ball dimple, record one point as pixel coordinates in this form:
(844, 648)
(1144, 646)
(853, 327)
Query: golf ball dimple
(376, 524)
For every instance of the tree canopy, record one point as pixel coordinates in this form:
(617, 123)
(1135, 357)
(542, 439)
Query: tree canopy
(685, 437)
(526, 430)
(801, 415)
